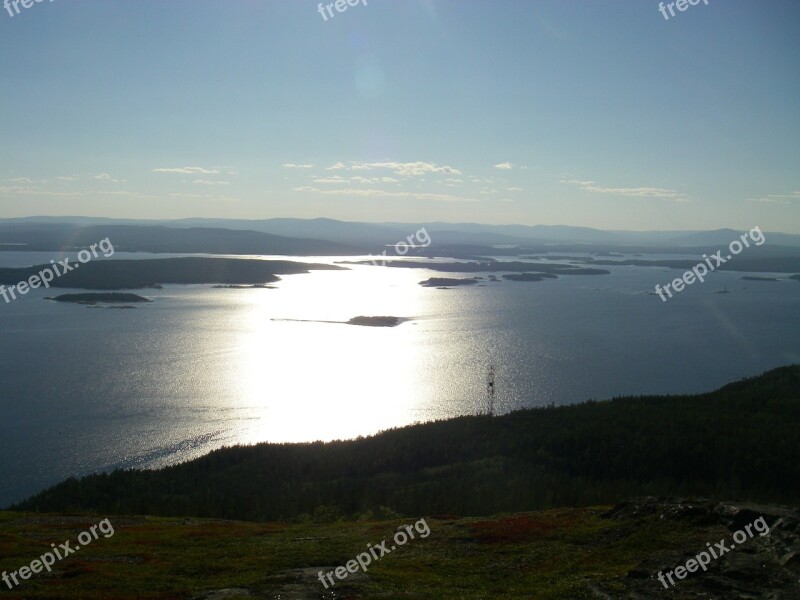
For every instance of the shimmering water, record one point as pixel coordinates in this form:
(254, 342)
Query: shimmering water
(83, 389)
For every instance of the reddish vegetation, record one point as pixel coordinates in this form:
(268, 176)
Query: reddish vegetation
(519, 528)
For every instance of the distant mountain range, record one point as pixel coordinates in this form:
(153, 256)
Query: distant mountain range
(332, 237)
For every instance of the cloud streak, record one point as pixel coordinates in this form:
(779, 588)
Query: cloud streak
(375, 193)
(407, 169)
(187, 170)
(778, 198)
(640, 192)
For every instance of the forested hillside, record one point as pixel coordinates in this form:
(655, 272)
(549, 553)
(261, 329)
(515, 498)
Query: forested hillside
(739, 442)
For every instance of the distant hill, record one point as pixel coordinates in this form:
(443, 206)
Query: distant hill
(149, 238)
(327, 237)
(350, 233)
(739, 442)
(475, 233)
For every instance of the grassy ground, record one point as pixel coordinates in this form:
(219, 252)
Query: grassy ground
(553, 554)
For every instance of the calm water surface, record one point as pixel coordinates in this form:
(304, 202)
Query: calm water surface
(83, 389)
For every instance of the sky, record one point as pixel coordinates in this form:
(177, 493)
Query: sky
(596, 113)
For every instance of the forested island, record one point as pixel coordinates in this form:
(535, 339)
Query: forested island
(446, 282)
(496, 266)
(376, 321)
(529, 276)
(105, 298)
(152, 273)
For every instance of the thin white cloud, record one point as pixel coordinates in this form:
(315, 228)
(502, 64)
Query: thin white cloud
(369, 180)
(505, 166)
(68, 178)
(193, 196)
(641, 192)
(182, 195)
(187, 170)
(128, 194)
(778, 198)
(21, 180)
(296, 166)
(107, 178)
(415, 168)
(374, 193)
(208, 182)
(514, 189)
(407, 169)
(336, 179)
(34, 191)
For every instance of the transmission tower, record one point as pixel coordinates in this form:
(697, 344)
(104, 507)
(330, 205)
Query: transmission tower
(490, 390)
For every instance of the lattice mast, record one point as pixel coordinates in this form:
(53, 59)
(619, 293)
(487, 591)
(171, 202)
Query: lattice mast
(490, 390)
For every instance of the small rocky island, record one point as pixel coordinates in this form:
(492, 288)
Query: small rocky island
(95, 298)
(529, 276)
(255, 286)
(445, 282)
(376, 321)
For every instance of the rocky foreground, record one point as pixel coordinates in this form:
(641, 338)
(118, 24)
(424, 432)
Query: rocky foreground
(570, 554)
(763, 567)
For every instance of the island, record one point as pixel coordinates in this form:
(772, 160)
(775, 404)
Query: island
(446, 282)
(100, 297)
(529, 276)
(376, 321)
(255, 286)
(497, 266)
(153, 273)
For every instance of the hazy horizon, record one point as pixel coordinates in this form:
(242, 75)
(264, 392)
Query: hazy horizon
(371, 222)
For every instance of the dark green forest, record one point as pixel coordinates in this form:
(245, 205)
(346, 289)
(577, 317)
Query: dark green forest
(741, 442)
(148, 273)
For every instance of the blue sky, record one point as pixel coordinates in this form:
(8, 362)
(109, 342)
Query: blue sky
(595, 113)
